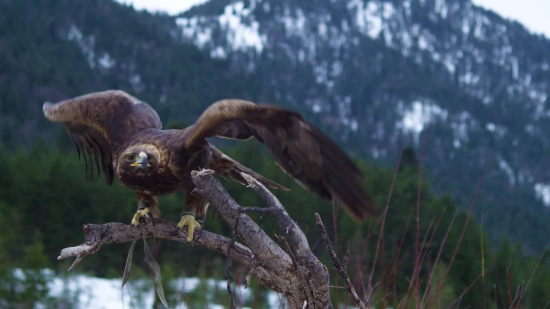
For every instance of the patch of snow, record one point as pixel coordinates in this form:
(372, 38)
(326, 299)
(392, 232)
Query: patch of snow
(406, 43)
(100, 293)
(375, 152)
(448, 62)
(515, 67)
(422, 43)
(460, 125)
(242, 35)
(418, 116)
(295, 25)
(407, 7)
(316, 107)
(321, 73)
(369, 18)
(539, 96)
(337, 39)
(105, 61)
(354, 125)
(466, 26)
(500, 130)
(388, 10)
(441, 8)
(481, 22)
(322, 29)
(86, 44)
(135, 81)
(301, 55)
(487, 98)
(344, 110)
(508, 170)
(469, 78)
(336, 68)
(542, 192)
(539, 105)
(218, 52)
(502, 54)
(191, 29)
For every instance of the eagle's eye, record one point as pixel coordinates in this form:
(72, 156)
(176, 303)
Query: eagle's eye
(130, 157)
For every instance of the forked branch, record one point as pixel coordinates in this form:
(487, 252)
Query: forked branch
(96, 235)
(293, 271)
(267, 253)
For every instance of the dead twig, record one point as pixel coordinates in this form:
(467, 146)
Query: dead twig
(337, 266)
(228, 265)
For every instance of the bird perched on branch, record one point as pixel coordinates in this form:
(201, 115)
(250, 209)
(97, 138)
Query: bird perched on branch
(125, 137)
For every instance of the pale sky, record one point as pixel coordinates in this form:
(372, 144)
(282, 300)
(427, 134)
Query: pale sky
(533, 14)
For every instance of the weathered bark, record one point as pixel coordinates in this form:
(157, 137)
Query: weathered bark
(294, 271)
(96, 235)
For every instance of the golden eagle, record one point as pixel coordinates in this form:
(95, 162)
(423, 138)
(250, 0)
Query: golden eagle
(124, 136)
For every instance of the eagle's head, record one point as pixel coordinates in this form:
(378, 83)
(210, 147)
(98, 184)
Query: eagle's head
(141, 159)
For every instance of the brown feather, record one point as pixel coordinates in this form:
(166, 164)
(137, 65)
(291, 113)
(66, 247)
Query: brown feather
(110, 124)
(229, 168)
(101, 121)
(300, 149)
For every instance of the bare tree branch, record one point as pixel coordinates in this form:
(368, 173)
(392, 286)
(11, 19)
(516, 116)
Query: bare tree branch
(294, 271)
(228, 266)
(97, 235)
(267, 253)
(339, 269)
(317, 271)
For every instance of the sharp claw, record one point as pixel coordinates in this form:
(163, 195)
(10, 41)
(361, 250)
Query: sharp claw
(190, 230)
(176, 231)
(189, 220)
(151, 217)
(136, 220)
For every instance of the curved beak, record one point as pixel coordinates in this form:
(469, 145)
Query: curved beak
(141, 161)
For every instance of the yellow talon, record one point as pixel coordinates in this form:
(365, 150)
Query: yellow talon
(140, 213)
(189, 220)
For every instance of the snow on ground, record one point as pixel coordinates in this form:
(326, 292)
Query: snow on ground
(542, 192)
(101, 293)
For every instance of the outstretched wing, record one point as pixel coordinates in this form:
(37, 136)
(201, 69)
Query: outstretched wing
(300, 149)
(100, 121)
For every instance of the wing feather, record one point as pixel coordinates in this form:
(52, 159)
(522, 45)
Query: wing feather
(300, 149)
(99, 122)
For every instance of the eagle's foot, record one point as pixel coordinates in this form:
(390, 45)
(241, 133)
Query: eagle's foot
(189, 220)
(143, 212)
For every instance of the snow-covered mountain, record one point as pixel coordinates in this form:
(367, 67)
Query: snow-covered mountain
(381, 74)
(376, 75)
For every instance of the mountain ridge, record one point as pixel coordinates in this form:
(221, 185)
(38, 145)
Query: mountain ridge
(385, 72)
